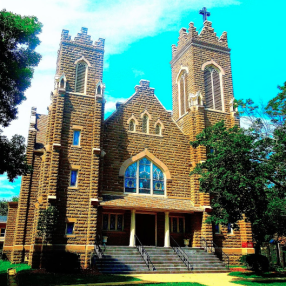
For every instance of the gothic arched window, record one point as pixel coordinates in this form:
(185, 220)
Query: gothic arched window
(213, 90)
(158, 129)
(132, 125)
(145, 124)
(144, 177)
(81, 77)
(182, 93)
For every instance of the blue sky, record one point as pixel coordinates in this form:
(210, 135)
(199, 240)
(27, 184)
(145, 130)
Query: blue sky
(139, 35)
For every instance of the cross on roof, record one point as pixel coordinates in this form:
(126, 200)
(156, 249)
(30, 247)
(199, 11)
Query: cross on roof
(205, 13)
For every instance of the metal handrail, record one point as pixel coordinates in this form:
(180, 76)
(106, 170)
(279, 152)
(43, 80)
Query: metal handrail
(215, 249)
(181, 253)
(144, 253)
(99, 251)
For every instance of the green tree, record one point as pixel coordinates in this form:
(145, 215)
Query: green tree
(4, 205)
(18, 40)
(245, 171)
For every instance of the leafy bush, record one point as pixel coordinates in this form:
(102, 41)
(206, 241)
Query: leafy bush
(63, 262)
(255, 262)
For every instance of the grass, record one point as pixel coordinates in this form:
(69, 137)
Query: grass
(256, 275)
(172, 284)
(259, 278)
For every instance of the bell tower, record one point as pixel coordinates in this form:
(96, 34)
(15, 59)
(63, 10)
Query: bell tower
(202, 94)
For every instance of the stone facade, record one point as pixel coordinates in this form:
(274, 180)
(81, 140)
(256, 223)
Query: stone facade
(98, 203)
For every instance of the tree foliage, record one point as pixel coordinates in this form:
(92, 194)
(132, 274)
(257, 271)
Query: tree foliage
(4, 205)
(47, 222)
(18, 58)
(18, 40)
(245, 172)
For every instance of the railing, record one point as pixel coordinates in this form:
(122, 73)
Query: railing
(99, 251)
(144, 254)
(212, 247)
(181, 253)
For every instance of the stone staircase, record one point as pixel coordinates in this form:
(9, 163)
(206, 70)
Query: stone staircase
(124, 259)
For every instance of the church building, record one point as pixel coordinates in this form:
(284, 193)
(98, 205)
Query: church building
(125, 177)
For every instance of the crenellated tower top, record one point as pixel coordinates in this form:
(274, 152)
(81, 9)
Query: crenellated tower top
(206, 36)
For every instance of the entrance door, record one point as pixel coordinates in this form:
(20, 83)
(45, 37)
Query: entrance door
(145, 228)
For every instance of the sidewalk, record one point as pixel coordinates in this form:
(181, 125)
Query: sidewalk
(209, 279)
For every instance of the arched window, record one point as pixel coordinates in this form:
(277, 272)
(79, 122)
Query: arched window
(132, 125)
(145, 124)
(158, 129)
(213, 90)
(98, 90)
(144, 177)
(182, 92)
(62, 83)
(81, 77)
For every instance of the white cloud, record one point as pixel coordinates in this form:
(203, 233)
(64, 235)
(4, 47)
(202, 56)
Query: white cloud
(120, 22)
(111, 103)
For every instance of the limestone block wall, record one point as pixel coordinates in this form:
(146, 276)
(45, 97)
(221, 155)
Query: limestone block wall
(171, 148)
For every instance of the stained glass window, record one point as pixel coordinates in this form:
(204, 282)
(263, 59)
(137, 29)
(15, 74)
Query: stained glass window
(130, 178)
(158, 181)
(73, 181)
(76, 137)
(132, 125)
(217, 229)
(229, 228)
(144, 176)
(70, 226)
(145, 123)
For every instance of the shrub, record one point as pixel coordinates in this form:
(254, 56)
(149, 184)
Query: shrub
(255, 262)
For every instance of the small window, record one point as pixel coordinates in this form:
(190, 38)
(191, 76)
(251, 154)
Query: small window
(62, 83)
(113, 222)
(158, 129)
(3, 230)
(76, 137)
(73, 179)
(229, 228)
(70, 228)
(217, 229)
(177, 224)
(98, 90)
(145, 124)
(132, 125)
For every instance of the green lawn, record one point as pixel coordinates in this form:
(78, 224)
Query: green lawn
(171, 284)
(258, 277)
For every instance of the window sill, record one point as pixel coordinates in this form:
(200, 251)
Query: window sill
(69, 235)
(215, 110)
(142, 133)
(73, 188)
(76, 146)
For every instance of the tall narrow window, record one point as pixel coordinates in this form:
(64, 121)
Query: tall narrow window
(76, 138)
(144, 177)
(145, 124)
(213, 93)
(132, 125)
(81, 75)
(70, 227)
(158, 129)
(73, 179)
(182, 86)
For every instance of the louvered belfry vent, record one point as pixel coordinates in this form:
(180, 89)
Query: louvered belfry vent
(80, 77)
(213, 92)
